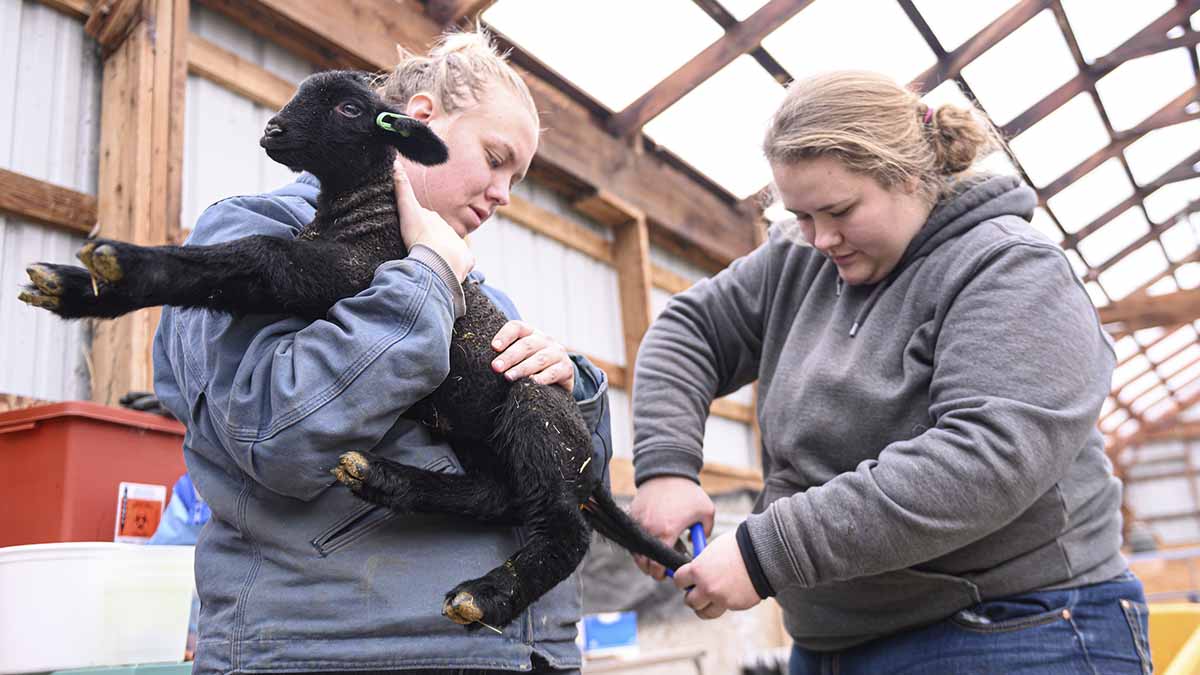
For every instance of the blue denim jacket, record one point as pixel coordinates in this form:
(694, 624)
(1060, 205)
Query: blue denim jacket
(293, 571)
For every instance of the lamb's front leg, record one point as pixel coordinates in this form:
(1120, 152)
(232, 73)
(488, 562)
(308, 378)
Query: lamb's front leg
(253, 275)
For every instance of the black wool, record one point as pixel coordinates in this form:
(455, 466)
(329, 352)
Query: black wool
(524, 446)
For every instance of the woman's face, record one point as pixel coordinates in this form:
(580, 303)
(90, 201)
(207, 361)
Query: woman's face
(491, 145)
(849, 217)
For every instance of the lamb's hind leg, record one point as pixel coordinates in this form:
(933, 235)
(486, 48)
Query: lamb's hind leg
(543, 464)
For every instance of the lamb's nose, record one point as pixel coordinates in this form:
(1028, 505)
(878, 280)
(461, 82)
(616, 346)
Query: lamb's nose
(274, 128)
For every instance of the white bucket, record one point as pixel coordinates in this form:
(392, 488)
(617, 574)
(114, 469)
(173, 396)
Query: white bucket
(84, 604)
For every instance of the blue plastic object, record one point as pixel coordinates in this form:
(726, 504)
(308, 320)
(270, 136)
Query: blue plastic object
(698, 543)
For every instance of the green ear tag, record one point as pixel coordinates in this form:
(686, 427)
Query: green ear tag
(384, 121)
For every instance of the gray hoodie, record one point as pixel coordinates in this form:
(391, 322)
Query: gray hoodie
(929, 441)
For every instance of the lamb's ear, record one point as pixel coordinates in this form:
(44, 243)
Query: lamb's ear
(413, 138)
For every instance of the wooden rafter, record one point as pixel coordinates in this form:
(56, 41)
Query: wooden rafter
(1181, 171)
(364, 34)
(1085, 79)
(726, 21)
(1170, 114)
(448, 13)
(739, 39)
(952, 64)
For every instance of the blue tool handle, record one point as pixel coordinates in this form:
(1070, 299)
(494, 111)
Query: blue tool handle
(698, 543)
(698, 539)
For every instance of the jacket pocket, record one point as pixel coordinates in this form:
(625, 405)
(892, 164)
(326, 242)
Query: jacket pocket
(359, 522)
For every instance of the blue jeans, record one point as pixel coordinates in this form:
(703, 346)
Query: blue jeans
(1099, 629)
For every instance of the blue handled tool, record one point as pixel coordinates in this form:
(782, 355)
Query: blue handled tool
(698, 543)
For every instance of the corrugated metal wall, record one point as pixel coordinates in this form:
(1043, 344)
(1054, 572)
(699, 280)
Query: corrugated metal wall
(221, 156)
(49, 129)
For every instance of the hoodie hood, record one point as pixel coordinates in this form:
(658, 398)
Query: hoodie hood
(970, 202)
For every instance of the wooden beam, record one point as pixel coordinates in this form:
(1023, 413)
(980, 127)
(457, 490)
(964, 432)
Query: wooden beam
(1145, 312)
(364, 34)
(631, 252)
(1170, 114)
(715, 478)
(448, 13)
(237, 74)
(46, 202)
(1003, 26)
(111, 22)
(1086, 79)
(138, 143)
(1181, 171)
(669, 281)
(738, 40)
(10, 402)
(1180, 431)
(563, 230)
(79, 9)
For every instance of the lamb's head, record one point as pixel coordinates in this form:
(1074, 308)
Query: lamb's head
(340, 130)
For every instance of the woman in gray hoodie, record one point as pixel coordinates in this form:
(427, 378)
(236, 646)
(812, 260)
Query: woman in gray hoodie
(930, 371)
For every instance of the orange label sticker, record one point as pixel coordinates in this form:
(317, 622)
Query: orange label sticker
(139, 510)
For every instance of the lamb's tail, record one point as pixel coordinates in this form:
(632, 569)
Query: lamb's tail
(611, 521)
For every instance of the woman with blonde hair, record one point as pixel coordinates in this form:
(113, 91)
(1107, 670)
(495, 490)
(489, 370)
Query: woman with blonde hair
(930, 372)
(296, 574)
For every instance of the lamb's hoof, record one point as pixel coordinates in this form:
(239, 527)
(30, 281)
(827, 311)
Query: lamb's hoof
(47, 281)
(352, 469)
(37, 299)
(101, 260)
(461, 609)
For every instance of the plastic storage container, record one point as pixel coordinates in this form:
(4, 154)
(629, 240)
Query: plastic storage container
(84, 604)
(61, 464)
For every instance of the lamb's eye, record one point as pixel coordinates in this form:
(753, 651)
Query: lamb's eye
(349, 109)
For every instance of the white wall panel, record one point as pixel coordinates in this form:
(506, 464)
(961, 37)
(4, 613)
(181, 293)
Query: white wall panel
(49, 129)
(563, 292)
(221, 155)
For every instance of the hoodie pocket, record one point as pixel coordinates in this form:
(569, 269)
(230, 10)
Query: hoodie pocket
(359, 522)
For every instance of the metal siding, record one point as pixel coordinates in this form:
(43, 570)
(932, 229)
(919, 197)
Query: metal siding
(221, 155)
(563, 292)
(49, 129)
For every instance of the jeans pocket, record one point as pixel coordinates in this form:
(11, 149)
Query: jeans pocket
(1136, 616)
(977, 620)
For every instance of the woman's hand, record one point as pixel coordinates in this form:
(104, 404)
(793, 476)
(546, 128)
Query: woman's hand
(665, 507)
(528, 352)
(718, 579)
(419, 225)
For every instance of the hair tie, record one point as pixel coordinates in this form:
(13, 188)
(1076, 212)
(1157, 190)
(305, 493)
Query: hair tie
(928, 114)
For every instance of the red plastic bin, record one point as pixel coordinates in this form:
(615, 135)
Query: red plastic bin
(61, 466)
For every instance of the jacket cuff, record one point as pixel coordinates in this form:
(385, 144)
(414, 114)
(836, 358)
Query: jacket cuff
(591, 386)
(750, 559)
(428, 257)
(666, 461)
(773, 553)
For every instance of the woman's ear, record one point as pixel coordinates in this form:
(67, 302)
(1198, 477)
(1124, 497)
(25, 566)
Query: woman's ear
(421, 107)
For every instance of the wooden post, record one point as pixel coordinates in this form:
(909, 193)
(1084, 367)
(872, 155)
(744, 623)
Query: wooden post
(138, 195)
(631, 258)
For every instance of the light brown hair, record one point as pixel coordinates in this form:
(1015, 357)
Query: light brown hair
(457, 72)
(878, 128)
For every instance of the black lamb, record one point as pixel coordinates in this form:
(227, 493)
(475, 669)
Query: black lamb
(524, 446)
